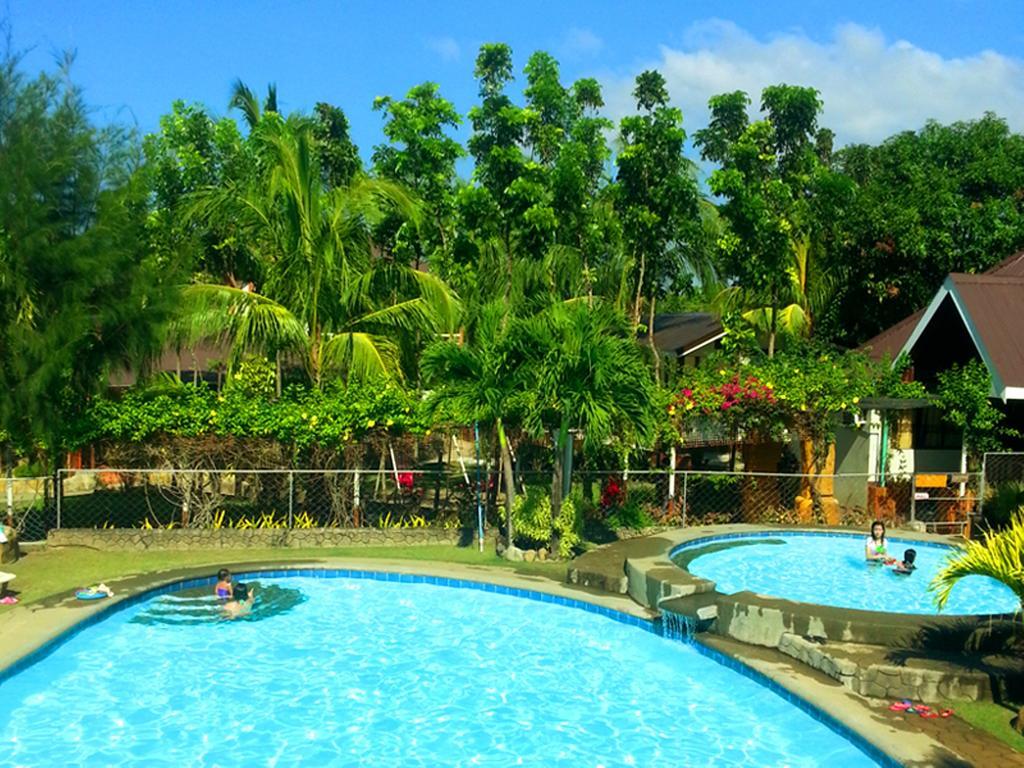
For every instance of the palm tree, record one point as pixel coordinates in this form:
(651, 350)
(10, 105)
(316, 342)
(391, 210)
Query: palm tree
(999, 555)
(809, 289)
(581, 370)
(475, 382)
(326, 298)
(244, 100)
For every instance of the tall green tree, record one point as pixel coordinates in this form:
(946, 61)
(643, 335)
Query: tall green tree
(474, 380)
(657, 197)
(945, 198)
(325, 298)
(192, 151)
(768, 175)
(421, 156)
(81, 293)
(581, 371)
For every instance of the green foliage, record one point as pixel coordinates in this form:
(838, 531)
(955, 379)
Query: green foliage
(633, 515)
(999, 555)
(945, 198)
(301, 418)
(81, 293)
(770, 177)
(421, 155)
(531, 514)
(531, 517)
(569, 526)
(963, 395)
(1003, 502)
(657, 195)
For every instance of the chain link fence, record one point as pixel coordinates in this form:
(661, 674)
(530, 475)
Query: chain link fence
(300, 498)
(1002, 487)
(30, 504)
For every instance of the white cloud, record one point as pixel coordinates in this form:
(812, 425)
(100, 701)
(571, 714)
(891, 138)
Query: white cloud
(445, 47)
(871, 87)
(581, 42)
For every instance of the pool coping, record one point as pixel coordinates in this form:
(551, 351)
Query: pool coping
(372, 570)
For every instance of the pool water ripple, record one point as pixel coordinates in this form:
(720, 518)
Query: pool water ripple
(831, 570)
(394, 674)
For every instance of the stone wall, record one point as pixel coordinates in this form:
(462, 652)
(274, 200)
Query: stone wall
(134, 539)
(890, 681)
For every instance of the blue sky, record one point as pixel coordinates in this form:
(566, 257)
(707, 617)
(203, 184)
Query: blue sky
(881, 66)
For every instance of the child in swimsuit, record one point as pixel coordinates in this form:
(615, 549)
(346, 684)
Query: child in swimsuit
(875, 545)
(906, 566)
(223, 588)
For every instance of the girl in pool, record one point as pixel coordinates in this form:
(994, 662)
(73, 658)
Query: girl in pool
(223, 588)
(875, 545)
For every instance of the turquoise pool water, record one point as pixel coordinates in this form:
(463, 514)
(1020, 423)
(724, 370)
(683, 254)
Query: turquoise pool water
(340, 672)
(831, 570)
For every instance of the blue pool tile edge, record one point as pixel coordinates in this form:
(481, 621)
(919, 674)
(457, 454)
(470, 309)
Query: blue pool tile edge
(655, 627)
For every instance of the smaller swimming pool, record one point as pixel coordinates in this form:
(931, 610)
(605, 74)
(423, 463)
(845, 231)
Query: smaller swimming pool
(829, 569)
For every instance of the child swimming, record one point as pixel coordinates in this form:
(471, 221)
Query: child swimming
(906, 566)
(223, 588)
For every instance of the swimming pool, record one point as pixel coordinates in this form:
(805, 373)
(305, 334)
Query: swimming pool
(367, 672)
(829, 569)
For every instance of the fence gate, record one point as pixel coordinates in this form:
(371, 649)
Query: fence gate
(945, 502)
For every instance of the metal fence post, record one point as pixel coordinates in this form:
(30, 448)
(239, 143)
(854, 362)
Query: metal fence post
(913, 498)
(981, 487)
(291, 499)
(686, 476)
(57, 486)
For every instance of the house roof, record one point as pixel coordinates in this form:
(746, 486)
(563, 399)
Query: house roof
(889, 342)
(992, 308)
(683, 333)
(1013, 266)
(201, 357)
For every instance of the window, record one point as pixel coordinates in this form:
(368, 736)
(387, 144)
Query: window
(933, 433)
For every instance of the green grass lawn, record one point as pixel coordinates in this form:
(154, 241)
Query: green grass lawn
(994, 718)
(43, 573)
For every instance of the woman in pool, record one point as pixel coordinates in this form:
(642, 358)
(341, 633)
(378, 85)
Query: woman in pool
(875, 545)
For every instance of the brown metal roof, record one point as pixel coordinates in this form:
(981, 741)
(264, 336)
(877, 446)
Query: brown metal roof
(994, 304)
(202, 358)
(889, 342)
(1012, 266)
(682, 332)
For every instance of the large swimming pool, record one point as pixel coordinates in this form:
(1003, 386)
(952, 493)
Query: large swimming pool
(346, 671)
(829, 569)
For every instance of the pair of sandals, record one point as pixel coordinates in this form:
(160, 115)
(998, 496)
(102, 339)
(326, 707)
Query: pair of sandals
(918, 709)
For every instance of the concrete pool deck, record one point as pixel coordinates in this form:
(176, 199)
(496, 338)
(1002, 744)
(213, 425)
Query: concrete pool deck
(26, 628)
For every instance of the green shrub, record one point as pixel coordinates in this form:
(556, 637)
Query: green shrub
(632, 515)
(1002, 502)
(531, 515)
(569, 525)
(644, 494)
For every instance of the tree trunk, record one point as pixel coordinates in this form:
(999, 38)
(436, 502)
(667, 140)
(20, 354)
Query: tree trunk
(277, 373)
(639, 289)
(559, 477)
(510, 482)
(773, 320)
(650, 339)
(9, 481)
